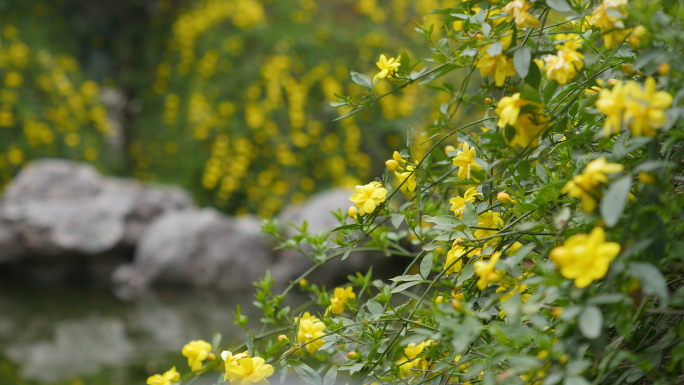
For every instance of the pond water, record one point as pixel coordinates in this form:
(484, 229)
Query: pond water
(77, 336)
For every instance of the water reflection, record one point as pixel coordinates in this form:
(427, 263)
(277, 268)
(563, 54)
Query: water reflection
(58, 334)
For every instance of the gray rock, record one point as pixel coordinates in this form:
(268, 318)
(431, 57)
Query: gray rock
(57, 207)
(200, 248)
(317, 211)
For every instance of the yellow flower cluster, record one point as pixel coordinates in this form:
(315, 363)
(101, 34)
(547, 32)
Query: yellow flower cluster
(65, 116)
(528, 125)
(403, 171)
(340, 299)
(584, 185)
(642, 108)
(309, 333)
(245, 370)
(585, 258)
(498, 66)
(563, 66)
(454, 257)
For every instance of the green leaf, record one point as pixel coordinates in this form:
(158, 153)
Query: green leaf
(591, 322)
(549, 90)
(470, 215)
(495, 48)
(521, 60)
(541, 173)
(576, 380)
(559, 5)
(403, 287)
(331, 376)
(615, 199)
(307, 374)
(215, 341)
(361, 79)
(467, 273)
(426, 265)
(375, 308)
(651, 280)
(533, 78)
(250, 343)
(397, 219)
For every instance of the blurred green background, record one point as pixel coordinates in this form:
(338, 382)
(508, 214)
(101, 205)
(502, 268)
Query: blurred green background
(228, 99)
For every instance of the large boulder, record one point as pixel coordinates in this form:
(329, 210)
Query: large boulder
(317, 212)
(57, 207)
(200, 248)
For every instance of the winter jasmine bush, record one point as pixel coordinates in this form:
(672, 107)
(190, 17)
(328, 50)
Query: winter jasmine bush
(541, 246)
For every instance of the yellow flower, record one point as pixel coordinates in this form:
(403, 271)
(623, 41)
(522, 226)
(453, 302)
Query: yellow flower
(387, 67)
(508, 109)
(353, 212)
(167, 378)
(368, 197)
(608, 18)
(517, 10)
(410, 353)
(528, 126)
(612, 104)
(585, 258)
(455, 254)
(410, 184)
(582, 186)
(458, 204)
(564, 66)
(488, 219)
(486, 272)
(499, 66)
(646, 108)
(340, 298)
(505, 199)
(229, 358)
(510, 291)
(309, 332)
(249, 371)
(571, 41)
(465, 161)
(196, 352)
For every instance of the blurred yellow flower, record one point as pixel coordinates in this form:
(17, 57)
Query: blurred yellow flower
(564, 66)
(518, 10)
(196, 352)
(582, 186)
(499, 67)
(167, 378)
(309, 332)
(585, 258)
(340, 298)
(486, 271)
(454, 255)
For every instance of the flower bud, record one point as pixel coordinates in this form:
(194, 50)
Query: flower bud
(515, 247)
(353, 212)
(282, 338)
(647, 178)
(392, 165)
(479, 36)
(456, 305)
(397, 157)
(449, 149)
(663, 69)
(352, 355)
(557, 311)
(439, 300)
(612, 82)
(636, 39)
(303, 283)
(211, 356)
(504, 198)
(488, 101)
(628, 69)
